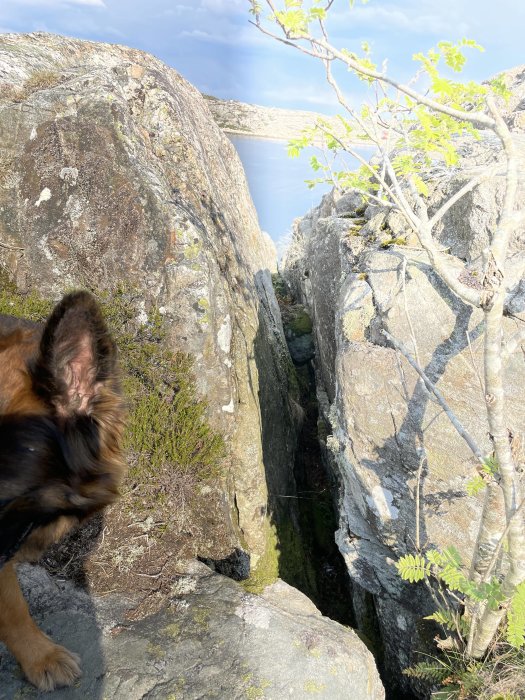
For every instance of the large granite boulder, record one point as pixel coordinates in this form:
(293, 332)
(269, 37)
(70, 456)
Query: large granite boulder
(113, 171)
(211, 640)
(401, 467)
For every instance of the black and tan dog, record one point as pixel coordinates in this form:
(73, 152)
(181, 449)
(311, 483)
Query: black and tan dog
(61, 423)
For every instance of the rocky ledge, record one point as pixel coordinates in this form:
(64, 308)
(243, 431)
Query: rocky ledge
(262, 122)
(212, 640)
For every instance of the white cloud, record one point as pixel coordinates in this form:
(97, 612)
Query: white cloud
(179, 10)
(416, 19)
(56, 3)
(309, 94)
(224, 6)
(230, 35)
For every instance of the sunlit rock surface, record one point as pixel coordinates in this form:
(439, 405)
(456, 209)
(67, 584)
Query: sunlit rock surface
(401, 467)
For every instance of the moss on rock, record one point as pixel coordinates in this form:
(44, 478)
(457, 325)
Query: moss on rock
(301, 323)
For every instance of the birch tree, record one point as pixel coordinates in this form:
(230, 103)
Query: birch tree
(410, 128)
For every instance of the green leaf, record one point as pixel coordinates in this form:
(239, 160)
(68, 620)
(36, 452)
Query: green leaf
(413, 568)
(500, 88)
(452, 556)
(449, 619)
(516, 618)
(315, 164)
(435, 557)
(420, 185)
(433, 671)
(475, 485)
(490, 465)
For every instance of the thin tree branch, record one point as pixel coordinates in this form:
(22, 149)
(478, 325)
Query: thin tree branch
(476, 118)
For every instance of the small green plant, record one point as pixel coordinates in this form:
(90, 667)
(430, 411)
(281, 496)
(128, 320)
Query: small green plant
(399, 240)
(460, 676)
(167, 425)
(301, 323)
(501, 676)
(167, 430)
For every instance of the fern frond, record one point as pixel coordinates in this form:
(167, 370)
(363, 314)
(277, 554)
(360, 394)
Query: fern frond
(450, 620)
(454, 578)
(413, 568)
(428, 671)
(516, 618)
(452, 556)
(435, 557)
(475, 485)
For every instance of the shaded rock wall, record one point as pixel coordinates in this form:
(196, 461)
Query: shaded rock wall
(385, 428)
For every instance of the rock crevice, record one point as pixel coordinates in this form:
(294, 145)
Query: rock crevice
(359, 270)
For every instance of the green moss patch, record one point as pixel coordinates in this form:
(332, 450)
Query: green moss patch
(301, 323)
(30, 306)
(267, 569)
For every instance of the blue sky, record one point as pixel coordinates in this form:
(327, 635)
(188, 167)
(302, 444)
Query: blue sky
(212, 44)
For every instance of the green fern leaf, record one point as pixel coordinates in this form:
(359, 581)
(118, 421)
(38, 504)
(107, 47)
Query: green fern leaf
(450, 620)
(452, 556)
(455, 579)
(435, 558)
(413, 568)
(475, 485)
(428, 671)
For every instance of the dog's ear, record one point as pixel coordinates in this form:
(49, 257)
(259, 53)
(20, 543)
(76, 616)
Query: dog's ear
(77, 356)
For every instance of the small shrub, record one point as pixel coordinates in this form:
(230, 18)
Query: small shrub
(167, 424)
(167, 429)
(40, 80)
(11, 93)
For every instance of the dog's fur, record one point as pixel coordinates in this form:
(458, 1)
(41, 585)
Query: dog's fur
(61, 424)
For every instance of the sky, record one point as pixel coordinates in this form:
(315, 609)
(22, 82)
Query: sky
(212, 44)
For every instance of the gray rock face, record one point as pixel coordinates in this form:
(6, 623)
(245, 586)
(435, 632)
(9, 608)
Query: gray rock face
(213, 640)
(384, 423)
(112, 171)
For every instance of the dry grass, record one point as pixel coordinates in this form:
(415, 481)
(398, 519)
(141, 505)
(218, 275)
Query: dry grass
(39, 80)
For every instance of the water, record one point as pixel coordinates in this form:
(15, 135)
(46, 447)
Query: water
(277, 182)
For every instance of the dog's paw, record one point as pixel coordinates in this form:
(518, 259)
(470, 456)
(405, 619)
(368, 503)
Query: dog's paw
(54, 667)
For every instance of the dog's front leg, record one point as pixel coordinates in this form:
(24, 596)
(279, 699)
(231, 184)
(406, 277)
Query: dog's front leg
(45, 664)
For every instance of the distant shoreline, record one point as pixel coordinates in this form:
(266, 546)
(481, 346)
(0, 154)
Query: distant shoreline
(282, 139)
(269, 123)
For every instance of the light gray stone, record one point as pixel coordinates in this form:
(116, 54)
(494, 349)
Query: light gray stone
(212, 640)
